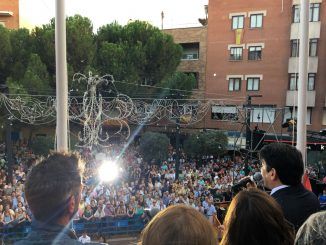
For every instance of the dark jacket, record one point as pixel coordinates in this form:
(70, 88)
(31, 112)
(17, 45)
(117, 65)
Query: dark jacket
(297, 204)
(54, 234)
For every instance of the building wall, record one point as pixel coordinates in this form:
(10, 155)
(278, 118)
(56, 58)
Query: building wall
(319, 111)
(192, 35)
(9, 21)
(273, 66)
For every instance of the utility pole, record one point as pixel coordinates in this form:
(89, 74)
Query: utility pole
(61, 76)
(302, 83)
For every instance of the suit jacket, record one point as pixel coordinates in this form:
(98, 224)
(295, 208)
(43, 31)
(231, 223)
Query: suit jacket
(297, 204)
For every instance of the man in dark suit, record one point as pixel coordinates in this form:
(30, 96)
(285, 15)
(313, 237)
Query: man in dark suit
(282, 170)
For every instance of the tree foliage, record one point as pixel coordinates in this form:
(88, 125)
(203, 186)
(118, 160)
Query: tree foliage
(5, 53)
(207, 142)
(36, 77)
(154, 146)
(42, 145)
(138, 54)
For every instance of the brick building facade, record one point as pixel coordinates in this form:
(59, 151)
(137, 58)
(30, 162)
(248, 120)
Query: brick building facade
(252, 49)
(9, 13)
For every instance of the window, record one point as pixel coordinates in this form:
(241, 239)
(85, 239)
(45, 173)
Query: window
(256, 20)
(311, 81)
(254, 53)
(314, 12)
(190, 51)
(291, 113)
(237, 22)
(235, 84)
(295, 48)
(2, 23)
(253, 83)
(236, 53)
(295, 45)
(263, 114)
(296, 14)
(293, 81)
(313, 47)
(324, 117)
(224, 112)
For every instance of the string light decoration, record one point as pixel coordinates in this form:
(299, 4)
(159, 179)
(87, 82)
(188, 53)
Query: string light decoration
(30, 110)
(94, 112)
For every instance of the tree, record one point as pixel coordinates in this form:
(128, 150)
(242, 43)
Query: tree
(193, 145)
(42, 145)
(21, 44)
(80, 42)
(181, 82)
(5, 54)
(207, 142)
(43, 39)
(154, 146)
(138, 54)
(36, 77)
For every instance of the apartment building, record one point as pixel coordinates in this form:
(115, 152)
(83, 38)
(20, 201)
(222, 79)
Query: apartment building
(252, 49)
(193, 61)
(9, 13)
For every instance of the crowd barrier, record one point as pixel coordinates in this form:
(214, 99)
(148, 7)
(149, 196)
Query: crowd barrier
(105, 226)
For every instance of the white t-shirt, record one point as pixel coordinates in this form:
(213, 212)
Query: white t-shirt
(85, 239)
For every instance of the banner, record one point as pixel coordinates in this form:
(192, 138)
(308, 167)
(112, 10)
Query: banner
(238, 36)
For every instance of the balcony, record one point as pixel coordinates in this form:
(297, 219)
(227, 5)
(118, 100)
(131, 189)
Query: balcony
(294, 65)
(314, 30)
(292, 98)
(297, 2)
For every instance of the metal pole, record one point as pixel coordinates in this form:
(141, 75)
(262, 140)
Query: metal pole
(248, 130)
(302, 83)
(61, 77)
(9, 148)
(248, 134)
(177, 146)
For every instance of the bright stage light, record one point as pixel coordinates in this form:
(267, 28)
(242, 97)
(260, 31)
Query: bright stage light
(108, 171)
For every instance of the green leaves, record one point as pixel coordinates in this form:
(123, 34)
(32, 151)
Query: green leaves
(5, 53)
(207, 142)
(137, 53)
(154, 146)
(36, 77)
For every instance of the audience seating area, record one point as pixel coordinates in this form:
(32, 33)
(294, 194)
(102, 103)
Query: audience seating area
(105, 226)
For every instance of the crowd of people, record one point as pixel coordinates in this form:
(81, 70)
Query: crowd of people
(141, 190)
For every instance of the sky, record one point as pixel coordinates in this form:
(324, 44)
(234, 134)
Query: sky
(177, 13)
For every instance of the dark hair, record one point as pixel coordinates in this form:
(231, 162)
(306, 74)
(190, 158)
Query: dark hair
(255, 218)
(50, 184)
(286, 160)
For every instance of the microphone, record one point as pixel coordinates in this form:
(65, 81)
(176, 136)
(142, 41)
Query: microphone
(243, 182)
